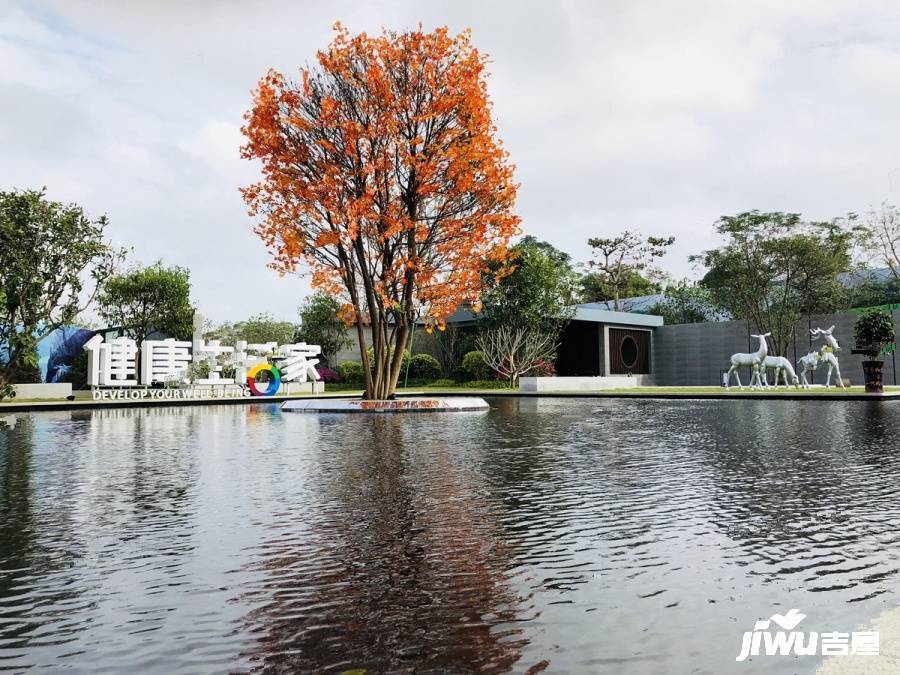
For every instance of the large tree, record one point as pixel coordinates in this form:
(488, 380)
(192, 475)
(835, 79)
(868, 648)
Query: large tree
(145, 300)
(537, 289)
(383, 175)
(775, 268)
(525, 308)
(321, 325)
(617, 260)
(53, 259)
(595, 287)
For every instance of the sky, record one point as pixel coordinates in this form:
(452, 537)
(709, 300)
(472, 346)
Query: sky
(651, 116)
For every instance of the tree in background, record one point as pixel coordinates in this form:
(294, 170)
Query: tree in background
(775, 268)
(145, 300)
(617, 259)
(525, 310)
(53, 260)
(382, 174)
(321, 325)
(595, 287)
(537, 289)
(258, 329)
(881, 237)
(686, 302)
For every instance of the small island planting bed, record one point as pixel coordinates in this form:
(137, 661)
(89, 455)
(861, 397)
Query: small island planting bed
(398, 405)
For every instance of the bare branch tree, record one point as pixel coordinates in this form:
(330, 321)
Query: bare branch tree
(881, 237)
(512, 352)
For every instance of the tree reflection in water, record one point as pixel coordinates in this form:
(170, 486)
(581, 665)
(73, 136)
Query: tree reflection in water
(401, 568)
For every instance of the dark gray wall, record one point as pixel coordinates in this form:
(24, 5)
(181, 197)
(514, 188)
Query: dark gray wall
(695, 354)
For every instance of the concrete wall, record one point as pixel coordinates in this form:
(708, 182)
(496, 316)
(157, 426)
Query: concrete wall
(695, 354)
(54, 390)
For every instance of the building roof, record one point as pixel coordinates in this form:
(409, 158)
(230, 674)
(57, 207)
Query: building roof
(592, 311)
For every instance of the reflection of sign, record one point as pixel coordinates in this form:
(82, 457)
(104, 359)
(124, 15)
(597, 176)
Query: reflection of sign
(272, 385)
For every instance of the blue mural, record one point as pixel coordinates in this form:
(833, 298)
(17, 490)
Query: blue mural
(58, 352)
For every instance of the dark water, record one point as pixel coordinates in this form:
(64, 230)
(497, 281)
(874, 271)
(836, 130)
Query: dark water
(565, 535)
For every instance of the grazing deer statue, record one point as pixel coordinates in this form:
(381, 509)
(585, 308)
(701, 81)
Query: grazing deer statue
(751, 360)
(825, 355)
(782, 367)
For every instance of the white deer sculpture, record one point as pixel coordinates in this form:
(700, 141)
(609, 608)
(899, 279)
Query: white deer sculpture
(751, 360)
(782, 367)
(825, 355)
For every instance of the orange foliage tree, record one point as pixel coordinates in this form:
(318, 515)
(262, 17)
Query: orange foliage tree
(383, 176)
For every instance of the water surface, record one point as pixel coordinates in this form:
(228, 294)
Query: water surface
(558, 534)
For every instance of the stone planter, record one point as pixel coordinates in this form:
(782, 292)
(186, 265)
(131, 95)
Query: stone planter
(873, 372)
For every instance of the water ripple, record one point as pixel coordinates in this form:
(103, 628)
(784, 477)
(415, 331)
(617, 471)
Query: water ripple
(557, 535)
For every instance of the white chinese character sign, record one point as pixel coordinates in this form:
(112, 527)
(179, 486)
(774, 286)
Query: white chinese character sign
(201, 363)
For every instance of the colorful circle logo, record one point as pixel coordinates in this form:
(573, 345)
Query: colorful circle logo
(271, 386)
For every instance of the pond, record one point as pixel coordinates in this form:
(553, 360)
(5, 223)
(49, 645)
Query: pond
(555, 535)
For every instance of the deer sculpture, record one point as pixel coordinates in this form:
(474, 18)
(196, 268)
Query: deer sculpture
(825, 355)
(782, 367)
(753, 360)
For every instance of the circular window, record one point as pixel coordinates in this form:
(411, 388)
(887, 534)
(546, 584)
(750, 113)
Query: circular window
(628, 349)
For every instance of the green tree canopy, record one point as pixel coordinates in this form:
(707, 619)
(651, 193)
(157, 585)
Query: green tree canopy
(144, 300)
(595, 287)
(775, 268)
(320, 325)
(53, 259)
(539, 292)
(685, 302)
(258, 329)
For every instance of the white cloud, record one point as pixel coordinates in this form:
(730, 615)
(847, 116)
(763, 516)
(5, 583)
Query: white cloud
(661, 115)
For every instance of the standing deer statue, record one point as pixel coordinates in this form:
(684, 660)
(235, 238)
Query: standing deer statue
(782, 368)
(825, 355)
(751, 360)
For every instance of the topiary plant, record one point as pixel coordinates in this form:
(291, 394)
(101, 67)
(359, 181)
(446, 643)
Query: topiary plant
(475, 367)
(424, 367)
(874, 330)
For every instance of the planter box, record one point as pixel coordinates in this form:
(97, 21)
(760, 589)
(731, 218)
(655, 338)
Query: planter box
(548, 384)
(56, 390)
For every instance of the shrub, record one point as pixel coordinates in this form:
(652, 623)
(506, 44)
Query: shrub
(329, 376)
(475, 367)
(6, 389)
(424, 367)
(351, 371)
(542, 368)
(487, 384)
(874, 328)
